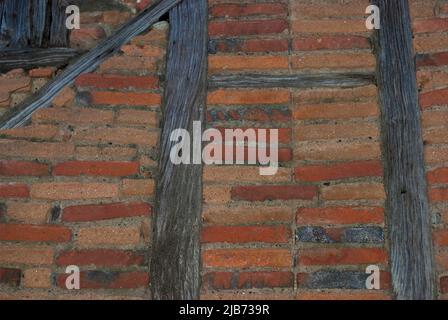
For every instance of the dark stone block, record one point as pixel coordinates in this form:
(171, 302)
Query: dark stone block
(363, 235)
(312, 234)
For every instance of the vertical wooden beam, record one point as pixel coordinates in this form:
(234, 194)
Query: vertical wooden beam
(175, 259)
(405, 183)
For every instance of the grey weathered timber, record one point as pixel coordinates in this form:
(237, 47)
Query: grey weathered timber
(298, 81)
(175, 260)
(407, 209)
(86, 63)
(34, 57)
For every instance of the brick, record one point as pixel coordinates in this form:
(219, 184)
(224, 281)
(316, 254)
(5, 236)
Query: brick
(12, 82)
(436, 154)
(338, 151)
(43, 72)
(335, 279)
(341, 256)
(431, 43)
(73, 190)
(73, 116)
(441, 237)
(34, 233)
(142, 51)
(108, 236)
(275, 234)
(36, 255)
(337, 42)
(336, 111)
(125, 98)
(430, 25)
(436, 97)
(284, 154)
(137, 187)
(35, 150)
(434, 118)
(444, 284)
(117, 135)
(98, 279)
(247, 280)
(432, 60)
(349, 95)
(363, 235)
(316, 235)
(244, 28)
(245, 215)
(438, 194)
(64, 98)
(95, 212)
(336, 131)
(354, 191)
(360, 60)
(96, 168)
(438, 176)
(14, 190)
(337, 295)
(269, 193)
(28, 212)
(105, 153)
(301, 9)
(340, 215)
(137, 65)
(442, 260)
(100, 258)
(117, 81)
(248, 97)
(348, 170)
(34, 132)
(261, 114)
(216, 194)
(23, 168)
(10, 277)
(245, 10)
(284, 134)
(247, 258)
(219, 63)
(243, 174)
(250, 45)
(37, 278)
(137, 117)
(329, 26)
(86, 38)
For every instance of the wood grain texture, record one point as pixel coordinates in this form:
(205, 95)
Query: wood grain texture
(88, 62)
(298, 81)
(407, 203)
(34, 57)
(175, 260)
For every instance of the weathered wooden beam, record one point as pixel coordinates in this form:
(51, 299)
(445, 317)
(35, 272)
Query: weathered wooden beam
(86, 63)
(34, 57)
(407, 208)
(298, 81)
(175, 259)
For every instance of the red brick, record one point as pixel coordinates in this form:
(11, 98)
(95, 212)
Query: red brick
(341, 256)
(438, 194)
(117, 81)
(336, 111)
(438, 176)
(100, 258)
(20, 254)
(109, 280)
(265, 193)
(220, 63)
(96, 168)
(444, 284)
(74, 116)
(23, 168)
(335, 150)
(340, 215)
(86, 38)
(284, 134)
(35, 150)
(14, 191)
(240, 28)
(10, 276)
(125, 98)
(329, 26)
(430, 25)
(441, 237)
(432, 60)
(248, 280)
(268, 234)
(339, 171)
(330, 42)
(73, 190)
(247, 258)
(354, 191)
(248, 97)
(436, 97)
(94, 212)
(21, 232)
(284, 154)
(46, 72)
(117, 135)
(239, 10)
(252, 45)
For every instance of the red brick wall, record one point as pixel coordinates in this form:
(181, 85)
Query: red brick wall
(77, 183)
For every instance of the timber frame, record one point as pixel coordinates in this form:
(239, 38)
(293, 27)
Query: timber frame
(175, 263)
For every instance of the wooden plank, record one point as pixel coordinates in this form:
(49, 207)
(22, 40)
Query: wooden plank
(58, 31)
(34, 57)
(86, 63)
(175, 260)
(407, 203)
(38, 19)
(298, 81)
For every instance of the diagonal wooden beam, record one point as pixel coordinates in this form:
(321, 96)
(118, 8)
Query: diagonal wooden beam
(407, 203)
(86, 63)
(175, 260)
